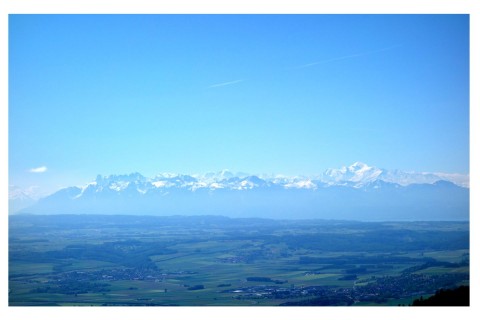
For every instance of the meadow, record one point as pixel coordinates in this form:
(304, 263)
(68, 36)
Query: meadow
(99, 260)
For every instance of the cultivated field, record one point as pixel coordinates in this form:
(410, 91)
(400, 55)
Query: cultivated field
(189, 261)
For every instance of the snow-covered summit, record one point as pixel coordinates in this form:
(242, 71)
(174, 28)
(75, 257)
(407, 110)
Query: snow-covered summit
(358, 172)
(347, 190)
(355, 175)
(361, 174)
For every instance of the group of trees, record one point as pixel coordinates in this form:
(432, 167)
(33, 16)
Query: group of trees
(447, 297)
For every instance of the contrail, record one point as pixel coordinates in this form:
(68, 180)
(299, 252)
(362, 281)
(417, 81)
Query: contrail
(347, 57)
(224, 83)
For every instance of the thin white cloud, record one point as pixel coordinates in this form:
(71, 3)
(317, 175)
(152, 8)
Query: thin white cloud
(225, 83)
(38, 170)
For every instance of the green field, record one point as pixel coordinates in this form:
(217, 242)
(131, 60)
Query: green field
(158, 261)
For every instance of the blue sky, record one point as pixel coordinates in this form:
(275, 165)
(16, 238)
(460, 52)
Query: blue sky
(291, 94)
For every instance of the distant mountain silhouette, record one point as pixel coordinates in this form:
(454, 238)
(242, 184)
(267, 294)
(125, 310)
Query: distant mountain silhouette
(357, 192)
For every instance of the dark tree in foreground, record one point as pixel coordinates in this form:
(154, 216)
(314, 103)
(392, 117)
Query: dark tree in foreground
(450, 297)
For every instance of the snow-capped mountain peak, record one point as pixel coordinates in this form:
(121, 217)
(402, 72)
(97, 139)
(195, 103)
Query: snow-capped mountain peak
(360, 174)
(357, 175)
(358, 166)
(350, 189)
(357, 172)
(122, 179)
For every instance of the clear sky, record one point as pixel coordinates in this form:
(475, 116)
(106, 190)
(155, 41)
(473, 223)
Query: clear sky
(290, 94)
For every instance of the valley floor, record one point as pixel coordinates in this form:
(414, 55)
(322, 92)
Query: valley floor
(100, 260)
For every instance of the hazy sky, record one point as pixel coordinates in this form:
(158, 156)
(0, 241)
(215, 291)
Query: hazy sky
(291, 94)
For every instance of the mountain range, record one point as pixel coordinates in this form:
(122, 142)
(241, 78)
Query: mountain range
(355, 192)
